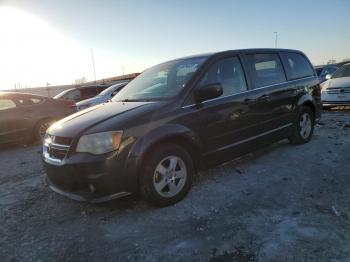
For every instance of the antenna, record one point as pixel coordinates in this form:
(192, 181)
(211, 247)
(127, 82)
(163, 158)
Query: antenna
(93, 63)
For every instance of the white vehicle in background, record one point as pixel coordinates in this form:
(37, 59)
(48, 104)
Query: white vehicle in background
(102, 97)
(336, 90)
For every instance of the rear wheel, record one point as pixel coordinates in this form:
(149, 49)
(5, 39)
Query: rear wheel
(41, 127)
(166, 175)
(303, 126)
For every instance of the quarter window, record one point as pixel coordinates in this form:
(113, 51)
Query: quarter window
(296, 65)
(266, 69)
(6, 103)
(36, 100)
(229, 73)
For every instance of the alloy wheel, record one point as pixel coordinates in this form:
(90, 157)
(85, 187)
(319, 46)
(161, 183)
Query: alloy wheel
(305, 125)
(170, 176)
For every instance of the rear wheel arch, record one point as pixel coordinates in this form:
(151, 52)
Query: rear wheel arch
(306, 101)
(38, 123)
(311, 106)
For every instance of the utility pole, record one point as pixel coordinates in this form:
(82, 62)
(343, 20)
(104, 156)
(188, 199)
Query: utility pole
(276, 36)
(48, 89)
(122, 70)
(93, 63)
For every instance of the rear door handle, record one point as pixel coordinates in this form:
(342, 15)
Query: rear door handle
(248, 101)
(264, 98)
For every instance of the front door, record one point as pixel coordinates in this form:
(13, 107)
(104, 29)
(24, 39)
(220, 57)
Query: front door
(227, 121)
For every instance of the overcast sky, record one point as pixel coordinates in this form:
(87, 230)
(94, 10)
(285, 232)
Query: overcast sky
(50, 41)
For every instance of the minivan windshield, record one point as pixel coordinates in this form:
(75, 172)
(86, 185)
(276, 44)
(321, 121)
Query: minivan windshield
(160, 82)
(344, 71)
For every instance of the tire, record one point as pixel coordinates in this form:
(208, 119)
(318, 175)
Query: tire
(166, 175)
(303, 127)
(41, 127)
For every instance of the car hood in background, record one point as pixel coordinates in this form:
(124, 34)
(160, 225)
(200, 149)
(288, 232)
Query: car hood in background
(83, 120)
(93, 101)
(339, 82)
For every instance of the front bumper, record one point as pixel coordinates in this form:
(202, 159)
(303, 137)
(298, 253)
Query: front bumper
(85, 178)
(84, 198)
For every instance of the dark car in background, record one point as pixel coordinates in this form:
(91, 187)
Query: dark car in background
(25, 117)
(176, 118)
(81, 93)
(102, 97)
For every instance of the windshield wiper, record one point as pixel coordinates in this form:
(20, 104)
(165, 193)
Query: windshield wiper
(134, 100)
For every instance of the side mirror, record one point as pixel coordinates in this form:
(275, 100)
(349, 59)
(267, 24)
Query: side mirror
(328, 76)
(208, 92)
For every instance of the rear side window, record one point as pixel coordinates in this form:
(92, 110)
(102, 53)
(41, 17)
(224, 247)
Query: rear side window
(36, 100)
(23, 101)
(89, 92)
(6, 103)
(297, 66)
(266, 69)
(229, 73)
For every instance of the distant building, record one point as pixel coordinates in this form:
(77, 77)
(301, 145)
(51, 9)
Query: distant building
(331, 61)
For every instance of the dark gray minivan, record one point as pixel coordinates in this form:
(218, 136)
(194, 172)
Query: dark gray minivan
(178, 116)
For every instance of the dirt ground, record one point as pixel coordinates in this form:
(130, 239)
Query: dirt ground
(281, 203)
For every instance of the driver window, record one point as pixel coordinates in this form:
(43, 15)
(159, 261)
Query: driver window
(229, 73)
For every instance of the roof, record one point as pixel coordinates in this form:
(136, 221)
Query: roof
(19, 93)
(248, 50)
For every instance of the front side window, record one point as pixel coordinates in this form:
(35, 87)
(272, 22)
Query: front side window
(162, 81)
(6, 103)
(266, 69)
(229, 74)
(344, 71)
(296, 65)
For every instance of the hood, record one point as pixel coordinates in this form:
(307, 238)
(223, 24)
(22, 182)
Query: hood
(339, 82)
(91, 101)
(83, 120)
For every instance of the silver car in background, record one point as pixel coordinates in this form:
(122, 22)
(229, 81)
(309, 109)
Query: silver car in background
(102, 97)
(336, 90)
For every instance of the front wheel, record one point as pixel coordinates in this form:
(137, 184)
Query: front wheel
(166, 175)
(41, 127)
(303, 127)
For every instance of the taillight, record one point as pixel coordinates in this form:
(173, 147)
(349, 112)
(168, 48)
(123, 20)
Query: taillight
(318, 89)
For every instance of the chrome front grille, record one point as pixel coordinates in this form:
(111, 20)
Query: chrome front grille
(55, 148)
(338, 90)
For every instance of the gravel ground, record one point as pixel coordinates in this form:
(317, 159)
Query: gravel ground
(281, 203)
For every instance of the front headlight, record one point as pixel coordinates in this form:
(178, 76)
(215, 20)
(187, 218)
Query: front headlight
(100, 143)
